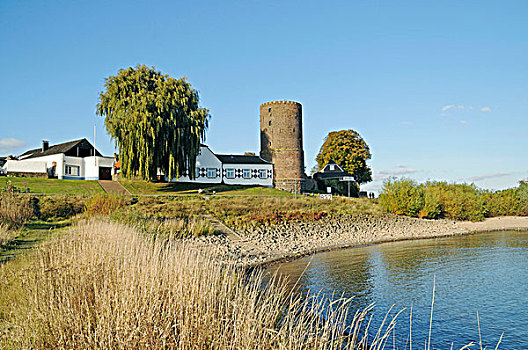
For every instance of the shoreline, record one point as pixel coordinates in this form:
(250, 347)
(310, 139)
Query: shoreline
(264, 246)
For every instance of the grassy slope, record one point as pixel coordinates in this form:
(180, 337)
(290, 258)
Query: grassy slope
(38, 185)
(143, 187)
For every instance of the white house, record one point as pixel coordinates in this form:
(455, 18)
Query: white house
(76, 160)
(230, 169)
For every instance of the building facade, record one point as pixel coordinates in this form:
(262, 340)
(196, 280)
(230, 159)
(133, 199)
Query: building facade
(229, 169)
(74, 160)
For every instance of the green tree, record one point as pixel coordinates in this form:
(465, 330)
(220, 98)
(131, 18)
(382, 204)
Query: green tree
(155, 120)
(348, 149)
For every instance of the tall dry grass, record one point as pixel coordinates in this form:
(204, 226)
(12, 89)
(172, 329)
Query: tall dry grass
(104, 286)
(6, 234)
(16, 209)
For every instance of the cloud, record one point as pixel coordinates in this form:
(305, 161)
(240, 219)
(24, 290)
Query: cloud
(486, 177)
(485, 109)
(448, 109)
(463, 122)
(10, 144)
(396, 172)
(406, 123)
(401, 166)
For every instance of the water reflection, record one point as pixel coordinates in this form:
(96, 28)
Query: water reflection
(485, 272)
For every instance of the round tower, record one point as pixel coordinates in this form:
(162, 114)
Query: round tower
(281, 142)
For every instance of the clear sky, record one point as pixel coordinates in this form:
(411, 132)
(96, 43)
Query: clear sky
(438, 89)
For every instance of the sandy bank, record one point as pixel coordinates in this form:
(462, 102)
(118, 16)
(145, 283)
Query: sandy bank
(270, 244)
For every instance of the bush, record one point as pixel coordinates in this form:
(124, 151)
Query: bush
(432, 208)
(60, 207)
(434, 200)
(402, 197)
(104, 204)
(16, 209)
(521, 194)
(459, 201)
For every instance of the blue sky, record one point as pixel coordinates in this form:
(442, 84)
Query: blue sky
(438, 89)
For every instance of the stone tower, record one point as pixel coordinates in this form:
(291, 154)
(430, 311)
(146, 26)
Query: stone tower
(281, 143)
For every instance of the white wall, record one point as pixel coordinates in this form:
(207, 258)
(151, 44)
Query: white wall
(206, 159)
(268, 181)
(91, 166)
(36, 165)
(88, 166)
(26, 167)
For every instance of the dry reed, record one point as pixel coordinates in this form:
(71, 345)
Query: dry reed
(16, 209)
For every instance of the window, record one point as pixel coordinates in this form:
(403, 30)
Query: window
(263, 174)
(332, 167)
(246, 174)
(197, 172)
(230, 173)
(72, 170)
(269, 123)
(269, 109)
(211, 172)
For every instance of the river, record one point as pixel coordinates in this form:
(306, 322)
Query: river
(485, 272)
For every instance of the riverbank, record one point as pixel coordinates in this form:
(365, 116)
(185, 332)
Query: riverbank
(269, 244)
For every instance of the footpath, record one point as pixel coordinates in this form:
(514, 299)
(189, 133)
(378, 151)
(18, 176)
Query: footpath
(113, 187)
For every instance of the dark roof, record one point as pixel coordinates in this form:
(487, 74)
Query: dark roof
(331, 175)
(239, 159)
(55, 149)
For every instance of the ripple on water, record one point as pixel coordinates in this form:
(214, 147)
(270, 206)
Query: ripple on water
(487, 272)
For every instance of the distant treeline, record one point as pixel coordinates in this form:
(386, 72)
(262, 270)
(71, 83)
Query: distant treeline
(433, 200)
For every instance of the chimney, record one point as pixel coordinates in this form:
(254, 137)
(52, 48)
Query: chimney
(45, 145)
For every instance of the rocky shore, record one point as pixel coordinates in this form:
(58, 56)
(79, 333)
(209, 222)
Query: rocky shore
(265, 245)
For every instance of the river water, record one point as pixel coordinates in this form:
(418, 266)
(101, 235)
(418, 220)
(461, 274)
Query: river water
(485, 272)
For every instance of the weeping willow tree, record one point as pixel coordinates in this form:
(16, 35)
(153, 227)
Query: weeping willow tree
(155, 120)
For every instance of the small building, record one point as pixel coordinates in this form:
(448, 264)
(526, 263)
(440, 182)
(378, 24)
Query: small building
(75, 160)
(229, 169)
(334, 176)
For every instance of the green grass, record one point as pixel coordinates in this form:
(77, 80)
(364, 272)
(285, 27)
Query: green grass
(30, 236)
(52, 186)
(143, 187)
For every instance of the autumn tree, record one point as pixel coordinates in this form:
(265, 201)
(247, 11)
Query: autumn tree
(348, 149)
(155, 120)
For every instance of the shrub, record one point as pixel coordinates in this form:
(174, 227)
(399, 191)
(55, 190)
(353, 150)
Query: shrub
(432, 208)
(104, 204)
(60, 207)
(16, 209)
(501, 203)
(459, 201)
(402, 197)
(437, 199)
(521, 194)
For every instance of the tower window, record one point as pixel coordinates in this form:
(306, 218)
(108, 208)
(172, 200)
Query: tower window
(269, 109)
(269, 123)
(293, 129)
